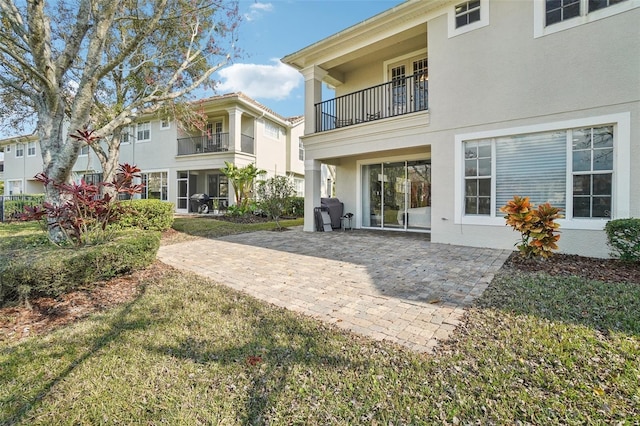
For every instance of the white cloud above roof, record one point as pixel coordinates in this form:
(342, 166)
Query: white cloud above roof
(257, 81)
(256, 10)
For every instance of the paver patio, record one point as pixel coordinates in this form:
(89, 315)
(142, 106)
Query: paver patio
(384, 285)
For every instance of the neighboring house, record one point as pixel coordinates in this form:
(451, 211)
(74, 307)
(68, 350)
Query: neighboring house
(444, 110)
(177, 164)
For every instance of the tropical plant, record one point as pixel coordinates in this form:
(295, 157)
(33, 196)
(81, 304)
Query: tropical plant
(274, 195)
(537, 227)
(242, 179)
(87, 210)
(102, 65)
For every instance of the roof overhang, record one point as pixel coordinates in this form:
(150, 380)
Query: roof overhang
(401, 26)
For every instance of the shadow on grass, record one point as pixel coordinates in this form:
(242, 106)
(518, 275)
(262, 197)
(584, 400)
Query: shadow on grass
(594, 304)
(39, 388)
(270, 354)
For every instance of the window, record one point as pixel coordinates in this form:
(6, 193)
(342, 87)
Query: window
(7, 148)
(92, 178)
(144, 131)
(165, 124)
(467, 13)
(19, 150)
(551, 16)
(84, 150)
(477, 177)
(601, 4)
(298, 185)
(467, 16)
(31, 149)
(155, 186)
(271, 129)
(559, 10)
(125, 135)
(300, 150)
(15, 187)
(540, 166)
(592, 150)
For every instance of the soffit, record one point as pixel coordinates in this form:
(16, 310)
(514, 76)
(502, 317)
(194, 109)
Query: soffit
(403, 26)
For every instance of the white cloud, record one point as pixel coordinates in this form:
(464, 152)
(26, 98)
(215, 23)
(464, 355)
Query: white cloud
(275, 81)
(256, 10)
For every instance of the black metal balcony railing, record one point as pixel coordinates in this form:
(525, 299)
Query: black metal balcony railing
(397, 97)
(218, 142)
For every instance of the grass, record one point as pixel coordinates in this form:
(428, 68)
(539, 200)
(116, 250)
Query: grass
(211, 228)
(536, 350)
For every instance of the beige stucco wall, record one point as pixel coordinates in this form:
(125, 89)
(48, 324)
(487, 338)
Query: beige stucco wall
(495, 78)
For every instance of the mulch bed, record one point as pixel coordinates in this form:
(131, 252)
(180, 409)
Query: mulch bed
(589, 268)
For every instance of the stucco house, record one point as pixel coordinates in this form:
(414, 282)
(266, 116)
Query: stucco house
(444, 110)
(176, 163)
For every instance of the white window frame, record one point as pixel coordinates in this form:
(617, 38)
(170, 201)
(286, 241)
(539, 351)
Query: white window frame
(621, 171)
(125, 135)
(10, 187)
(143, 127)
(7, 149)
(300, 150)
(451, 18)
(539, 16)
(166, 183)
(84, 150)
(165, 124)
(31, 149)
(19, 151)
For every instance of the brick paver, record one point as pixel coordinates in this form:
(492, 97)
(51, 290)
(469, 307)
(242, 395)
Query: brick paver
(384, 285)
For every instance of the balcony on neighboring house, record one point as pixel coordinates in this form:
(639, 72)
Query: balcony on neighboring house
(215, 143)
(398, 97)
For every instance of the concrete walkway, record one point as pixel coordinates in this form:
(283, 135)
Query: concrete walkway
(385, 285)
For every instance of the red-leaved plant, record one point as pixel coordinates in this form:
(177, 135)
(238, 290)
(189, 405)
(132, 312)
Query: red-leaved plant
(537, 227)
(87, 210)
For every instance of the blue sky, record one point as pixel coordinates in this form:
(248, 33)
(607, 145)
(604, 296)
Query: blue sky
(273, 29)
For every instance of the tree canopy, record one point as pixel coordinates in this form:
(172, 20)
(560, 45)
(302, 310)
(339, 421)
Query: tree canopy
(100, 64)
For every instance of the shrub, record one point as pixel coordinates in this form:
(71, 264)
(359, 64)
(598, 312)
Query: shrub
(536, 226)
(624, 238)
(274, 194)
(52, 272)
(296, 206)
(13, 208)
(152, 215)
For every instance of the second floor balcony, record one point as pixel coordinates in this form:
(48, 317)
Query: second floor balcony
(398, 97)
(215, 143)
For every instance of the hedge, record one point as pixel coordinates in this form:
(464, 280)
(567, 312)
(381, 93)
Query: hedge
(13, 207)
(624, 238)
(152, 215)
(54, 271)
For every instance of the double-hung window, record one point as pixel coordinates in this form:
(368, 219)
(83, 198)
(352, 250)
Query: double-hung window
(467, 13)
(144, 131)
(562, 10)
(477, 177)
(19, 150)
(592, 152)
(31, 149)
(125, 135)
(300, 150)
(571, 169)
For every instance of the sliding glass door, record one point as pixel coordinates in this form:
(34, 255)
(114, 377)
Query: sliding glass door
(397, 195)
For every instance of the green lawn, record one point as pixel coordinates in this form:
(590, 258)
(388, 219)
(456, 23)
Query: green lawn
(536, 350)
(211, 228)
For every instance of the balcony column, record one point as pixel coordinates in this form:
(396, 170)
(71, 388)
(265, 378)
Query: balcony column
(312, 184)
(313, 76)
(235, 129)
